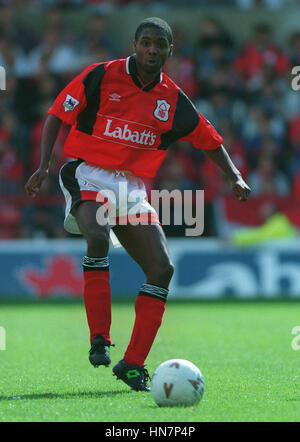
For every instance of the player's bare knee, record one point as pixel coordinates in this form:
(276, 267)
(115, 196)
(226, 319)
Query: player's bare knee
(161, 274)
(98, 236)
(98, 240)
(168, 270)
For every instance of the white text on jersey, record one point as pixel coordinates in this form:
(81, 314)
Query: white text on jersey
(146, 138)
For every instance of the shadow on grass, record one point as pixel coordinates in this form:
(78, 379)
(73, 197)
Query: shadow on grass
(85, 394)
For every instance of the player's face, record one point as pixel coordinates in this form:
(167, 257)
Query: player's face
(152, 50)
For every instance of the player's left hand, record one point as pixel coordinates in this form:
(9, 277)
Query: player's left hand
(241, 189)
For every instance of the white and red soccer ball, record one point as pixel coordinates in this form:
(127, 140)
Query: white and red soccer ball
(177, 382)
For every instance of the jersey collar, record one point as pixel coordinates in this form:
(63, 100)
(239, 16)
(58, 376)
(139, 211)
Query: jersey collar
(132, 70)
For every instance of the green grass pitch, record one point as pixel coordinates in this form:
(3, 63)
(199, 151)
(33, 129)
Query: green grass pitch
(243, 349)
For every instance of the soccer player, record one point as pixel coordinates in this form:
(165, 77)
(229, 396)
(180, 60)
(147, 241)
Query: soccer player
(124, 115)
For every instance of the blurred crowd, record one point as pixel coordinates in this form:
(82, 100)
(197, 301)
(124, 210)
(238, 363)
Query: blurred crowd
(245, 91)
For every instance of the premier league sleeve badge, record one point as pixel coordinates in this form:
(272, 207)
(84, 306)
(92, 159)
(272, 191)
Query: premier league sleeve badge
(70, 103)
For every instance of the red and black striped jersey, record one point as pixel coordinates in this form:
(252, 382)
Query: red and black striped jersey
(119, 123)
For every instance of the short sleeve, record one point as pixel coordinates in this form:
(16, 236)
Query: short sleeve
(204, 136)
(71, 100)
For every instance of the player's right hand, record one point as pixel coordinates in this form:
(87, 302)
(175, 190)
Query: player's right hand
(34, 183)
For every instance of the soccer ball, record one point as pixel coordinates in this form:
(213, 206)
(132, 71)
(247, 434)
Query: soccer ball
(177, 382)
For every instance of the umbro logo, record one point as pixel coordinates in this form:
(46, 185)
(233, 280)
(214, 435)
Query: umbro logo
(114, 97)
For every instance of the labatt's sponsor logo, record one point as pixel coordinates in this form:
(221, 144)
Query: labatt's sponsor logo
(145, 137)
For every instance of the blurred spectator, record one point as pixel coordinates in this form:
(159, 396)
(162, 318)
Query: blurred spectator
(222, 106)
(97, 29)
(258, 129)
(14, 58)
(289, 101)
(294, 140)
(43, 218)
(296, 184)
(210, 177)
(11, 167)
(184, 74)
(13, 30)
(8, 99)
(95, 44)
(52, 56)
(178, 171)
(267, 179)
(58, 158)
(258, 54)
(182, 66)
(214, 51)
(294, 48)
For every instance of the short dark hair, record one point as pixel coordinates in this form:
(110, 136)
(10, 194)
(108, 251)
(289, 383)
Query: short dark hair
(155, 22)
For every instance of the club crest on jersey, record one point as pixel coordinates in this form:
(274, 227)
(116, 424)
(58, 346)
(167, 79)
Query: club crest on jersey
(162, 110)
(70, 103)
